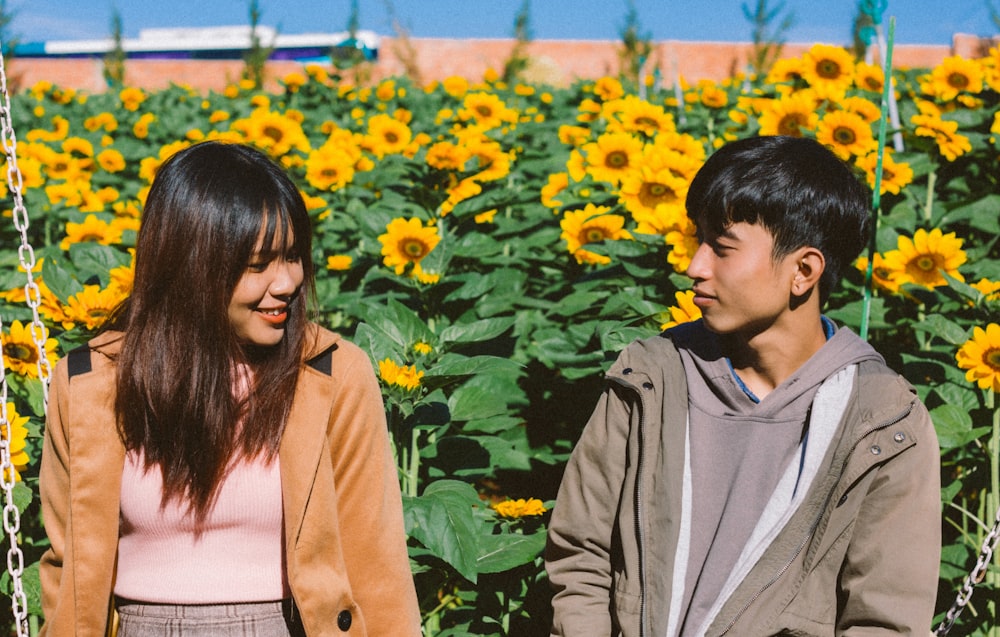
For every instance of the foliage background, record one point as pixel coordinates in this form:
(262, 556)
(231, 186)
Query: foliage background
(493, 245)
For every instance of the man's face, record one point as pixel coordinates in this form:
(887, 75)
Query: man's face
(738, 286)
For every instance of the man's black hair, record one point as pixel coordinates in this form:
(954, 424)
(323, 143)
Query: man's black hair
(798, 190)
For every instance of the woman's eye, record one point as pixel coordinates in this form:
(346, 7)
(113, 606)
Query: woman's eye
(257, 267)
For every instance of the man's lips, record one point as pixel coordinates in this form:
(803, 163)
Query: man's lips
(701, 298)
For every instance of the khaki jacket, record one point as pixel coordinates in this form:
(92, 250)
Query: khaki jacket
(859, 556)
(346, 559)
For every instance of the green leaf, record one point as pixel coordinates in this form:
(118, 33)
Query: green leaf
(96, 260)
(59, 280)
(482, 330)
(455, 365)
(442, 520)
(954, 427)
(946, 329)
(472, 402)
(502, 552)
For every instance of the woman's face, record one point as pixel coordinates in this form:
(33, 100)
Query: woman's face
(259, 307)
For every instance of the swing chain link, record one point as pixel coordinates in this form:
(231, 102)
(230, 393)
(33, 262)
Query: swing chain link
(26, 256)
(974, 577)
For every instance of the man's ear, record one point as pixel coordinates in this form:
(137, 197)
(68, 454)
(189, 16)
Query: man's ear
(809, 267)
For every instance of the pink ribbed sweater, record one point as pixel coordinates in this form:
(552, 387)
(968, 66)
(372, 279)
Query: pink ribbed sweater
(237, 557)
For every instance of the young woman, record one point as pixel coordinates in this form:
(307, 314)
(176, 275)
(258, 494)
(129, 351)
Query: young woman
(214, 463)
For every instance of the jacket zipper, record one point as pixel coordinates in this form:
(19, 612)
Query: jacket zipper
(637, 501)
(815, 523)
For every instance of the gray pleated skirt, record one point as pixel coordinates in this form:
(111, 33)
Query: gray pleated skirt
(266, 619)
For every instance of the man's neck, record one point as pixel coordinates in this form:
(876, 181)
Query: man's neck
(765, 360)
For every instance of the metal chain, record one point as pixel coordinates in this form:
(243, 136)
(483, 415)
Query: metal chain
(26, 256)
(974, 577)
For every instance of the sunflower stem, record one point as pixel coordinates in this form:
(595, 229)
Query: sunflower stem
(993, 500)
(929, 205)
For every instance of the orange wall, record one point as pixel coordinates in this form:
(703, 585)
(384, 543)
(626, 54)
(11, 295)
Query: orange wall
(558, 62)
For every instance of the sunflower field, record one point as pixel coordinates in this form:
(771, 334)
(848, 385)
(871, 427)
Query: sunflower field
(492, 246)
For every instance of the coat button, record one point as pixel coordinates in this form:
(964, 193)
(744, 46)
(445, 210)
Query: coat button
(876, 450)
(627, 371)
(899, 437)
(647, 385)
(344, 620)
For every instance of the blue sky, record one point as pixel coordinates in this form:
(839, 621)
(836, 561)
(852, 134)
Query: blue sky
(917, 21)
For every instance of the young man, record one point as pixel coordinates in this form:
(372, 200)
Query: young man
(759, 471)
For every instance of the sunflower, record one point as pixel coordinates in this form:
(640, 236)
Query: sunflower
(387, 135)
(18, 440)
(519, 508)
(131, 98)
(573, 135)
(591, 225)
(104, 121)
(407, 241)
(141, 127)
(989, 289)
(612, 155)
(78, 146)
(950, 143)
(447, 155)
(785, 71)
(608, 88)
(21, 354)
(683, 244)
(684, 312)
(66, 167)
(123, 276)
(455, 86)
(631, 114)
(111, 160)
(274, 132)
(557, 182)
(828, 69)
(980, 357)
(792, 115)
(884, 277)
(685, 145)
(405, 376)
(952, 76)
(926, 258)
(339, 262)
(867, 109)
(846, 134)
(92, 306)
(869, 77)
(60, 128)
(91, 229)
(711, 94)
(590, 111)
(329, 168)
(491, 160)
(487, 110)
(895, 176)
(660, 179)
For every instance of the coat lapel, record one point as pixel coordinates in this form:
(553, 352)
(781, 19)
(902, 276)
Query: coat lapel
(96, 465)
(302, 447)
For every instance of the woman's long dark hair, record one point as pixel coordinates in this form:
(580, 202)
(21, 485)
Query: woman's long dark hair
(207, 210)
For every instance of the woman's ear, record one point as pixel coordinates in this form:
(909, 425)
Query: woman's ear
(809, 267)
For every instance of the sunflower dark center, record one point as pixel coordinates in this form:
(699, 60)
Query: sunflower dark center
(845, 136)
(828, 69)
(20, 351)
(616, 159)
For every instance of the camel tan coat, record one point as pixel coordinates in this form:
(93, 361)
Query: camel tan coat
(346, 558)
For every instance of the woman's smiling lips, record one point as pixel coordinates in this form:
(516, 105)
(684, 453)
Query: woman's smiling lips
(274, 315)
